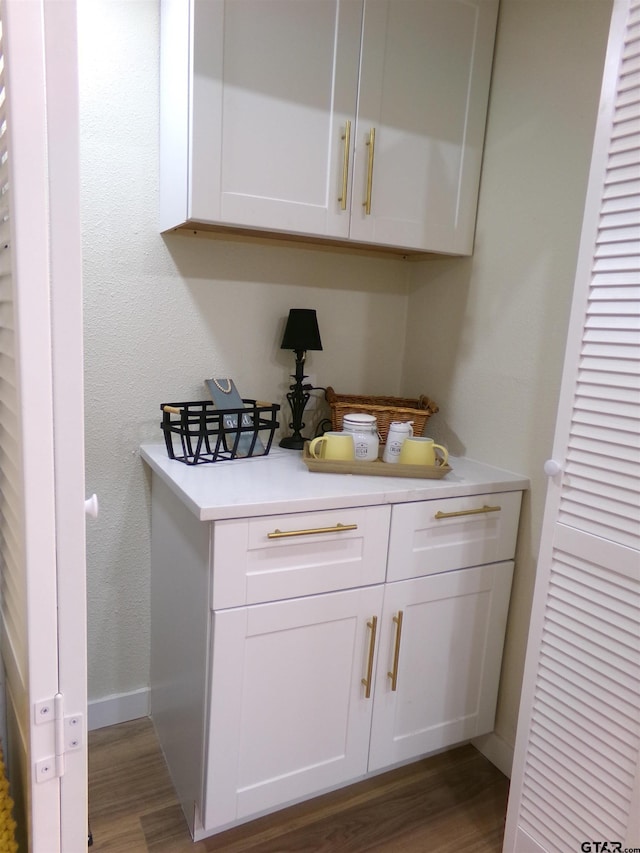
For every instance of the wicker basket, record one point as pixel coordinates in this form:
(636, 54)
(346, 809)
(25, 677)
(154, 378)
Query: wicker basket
(386, 409)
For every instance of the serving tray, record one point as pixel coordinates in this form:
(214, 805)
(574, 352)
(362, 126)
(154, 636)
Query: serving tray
(375, 469)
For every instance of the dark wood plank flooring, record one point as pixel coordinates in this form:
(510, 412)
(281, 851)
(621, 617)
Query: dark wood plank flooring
(450, 803)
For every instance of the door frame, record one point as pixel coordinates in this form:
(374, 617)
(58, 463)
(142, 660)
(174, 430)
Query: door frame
(44, 626)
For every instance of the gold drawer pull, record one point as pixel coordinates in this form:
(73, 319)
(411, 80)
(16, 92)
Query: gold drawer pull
(393, 675)
(367, 682)
(460, 512)
(338, 528)
(371, 142)
(346, 136)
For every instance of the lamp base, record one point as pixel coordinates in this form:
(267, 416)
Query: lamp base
(294, 442)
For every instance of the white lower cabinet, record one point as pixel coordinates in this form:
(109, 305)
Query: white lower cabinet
(313, 692)
(293, 654)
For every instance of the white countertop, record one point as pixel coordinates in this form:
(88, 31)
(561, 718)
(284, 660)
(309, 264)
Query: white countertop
(281, 483)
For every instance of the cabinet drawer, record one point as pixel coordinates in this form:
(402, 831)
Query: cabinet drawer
(440, 535)
(285, 556)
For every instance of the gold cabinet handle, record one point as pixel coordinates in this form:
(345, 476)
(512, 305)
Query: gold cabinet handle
(460, 512)
(393, 675)
(338, 528)
(373, 625)
(346, 136)
(371, 142)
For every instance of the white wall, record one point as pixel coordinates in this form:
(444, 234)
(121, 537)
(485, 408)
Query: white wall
(163, 314)
(486, 335)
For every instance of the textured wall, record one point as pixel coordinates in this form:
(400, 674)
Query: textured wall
(486, 336)
(162, 314)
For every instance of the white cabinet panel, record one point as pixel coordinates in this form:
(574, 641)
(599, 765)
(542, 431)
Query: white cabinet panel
(283, 119)
(319, 552)
(179, 653)
(448, 656)
(272, 85)
(435, 536)
(424, 84)
(288, 711)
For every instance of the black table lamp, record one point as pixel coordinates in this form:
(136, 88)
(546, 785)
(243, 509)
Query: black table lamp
(301, 334)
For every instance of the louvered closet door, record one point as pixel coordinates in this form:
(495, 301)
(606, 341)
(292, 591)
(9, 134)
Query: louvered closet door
(42, 557)
(575, 776)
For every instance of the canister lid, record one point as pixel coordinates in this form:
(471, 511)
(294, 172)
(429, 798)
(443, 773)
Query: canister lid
(359, 418)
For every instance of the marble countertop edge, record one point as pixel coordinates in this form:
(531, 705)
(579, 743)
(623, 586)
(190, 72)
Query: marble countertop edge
(280, 483)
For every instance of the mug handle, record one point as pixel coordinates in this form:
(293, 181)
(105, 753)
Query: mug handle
(445, 455)
(314, 443)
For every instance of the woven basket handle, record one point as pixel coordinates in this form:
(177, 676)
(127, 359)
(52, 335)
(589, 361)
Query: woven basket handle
(428, 405)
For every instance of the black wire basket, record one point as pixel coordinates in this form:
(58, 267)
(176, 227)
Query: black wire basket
(198, 432)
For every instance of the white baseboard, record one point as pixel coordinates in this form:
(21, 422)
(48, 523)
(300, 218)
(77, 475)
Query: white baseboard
(118, 708)
(497, 750)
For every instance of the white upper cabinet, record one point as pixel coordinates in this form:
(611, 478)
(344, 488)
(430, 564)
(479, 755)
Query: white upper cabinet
(348, 120)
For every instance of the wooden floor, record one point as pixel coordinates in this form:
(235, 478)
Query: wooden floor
(450, 803)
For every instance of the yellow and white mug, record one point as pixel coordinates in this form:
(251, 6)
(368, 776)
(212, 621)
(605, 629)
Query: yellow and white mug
(418, 450)
(333, 445)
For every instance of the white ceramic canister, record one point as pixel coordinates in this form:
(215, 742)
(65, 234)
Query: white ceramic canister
(398, 431)
(364, 429)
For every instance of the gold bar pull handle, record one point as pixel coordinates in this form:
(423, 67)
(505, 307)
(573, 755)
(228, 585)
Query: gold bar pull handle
(393, 675)
(346, 136)
(367, 682)
(338, 528)
(371, 142)
(478, 511)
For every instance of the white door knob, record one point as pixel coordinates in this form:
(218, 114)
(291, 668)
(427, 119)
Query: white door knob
(552, 467)
(91, 506)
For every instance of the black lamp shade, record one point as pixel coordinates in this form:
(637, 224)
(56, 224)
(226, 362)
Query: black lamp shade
(301, 331)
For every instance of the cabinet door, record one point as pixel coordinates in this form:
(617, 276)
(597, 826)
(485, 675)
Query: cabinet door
(274, 83)
(424, 85)
(447, 661)
(289, 715)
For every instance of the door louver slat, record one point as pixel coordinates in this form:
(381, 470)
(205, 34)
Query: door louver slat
(620, 247)
(559, 819)
(577, 683)
(545, 764)
(621, 487)
(578, 801)
(570, 749)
